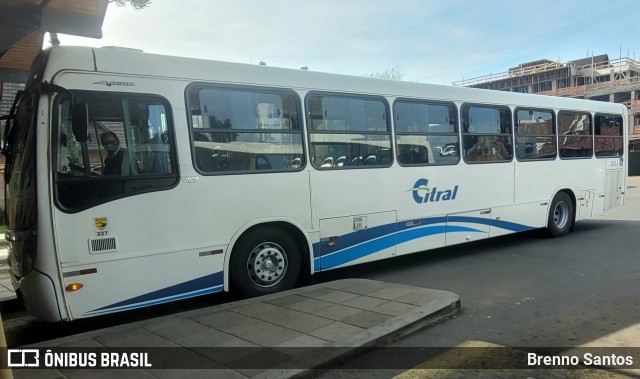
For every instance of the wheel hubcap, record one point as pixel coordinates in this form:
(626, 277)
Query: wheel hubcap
(267, 264)
(561, 215)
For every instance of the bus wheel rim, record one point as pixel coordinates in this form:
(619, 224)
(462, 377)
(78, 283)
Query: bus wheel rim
(267, 264)
(561, 215)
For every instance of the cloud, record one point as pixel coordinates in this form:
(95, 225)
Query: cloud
(428, 39)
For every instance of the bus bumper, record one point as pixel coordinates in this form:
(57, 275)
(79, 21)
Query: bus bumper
(42, 301)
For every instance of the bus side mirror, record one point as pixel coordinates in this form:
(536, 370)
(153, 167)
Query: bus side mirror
(80, 121)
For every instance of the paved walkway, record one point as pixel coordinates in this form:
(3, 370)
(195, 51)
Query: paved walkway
(276, 336)
(6, 289)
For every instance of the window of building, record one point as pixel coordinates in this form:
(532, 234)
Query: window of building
(426, 133)
(542, 87)
(348, 131)
(575, 137)
(486, 134)
(245, 130)
(535, 134)
(562, 83)
(609, 140)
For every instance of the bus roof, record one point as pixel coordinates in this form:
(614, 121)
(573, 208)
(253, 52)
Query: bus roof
(135, 63)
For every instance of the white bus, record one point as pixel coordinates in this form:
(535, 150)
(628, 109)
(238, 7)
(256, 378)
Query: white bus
(136, 179)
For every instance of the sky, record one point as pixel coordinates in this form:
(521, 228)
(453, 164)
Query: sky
(430, 41)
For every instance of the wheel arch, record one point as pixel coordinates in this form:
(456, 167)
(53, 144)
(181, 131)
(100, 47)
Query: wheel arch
(572, 196)
(289, 226)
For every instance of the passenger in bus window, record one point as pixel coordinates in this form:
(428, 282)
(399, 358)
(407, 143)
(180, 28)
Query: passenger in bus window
(117, 160)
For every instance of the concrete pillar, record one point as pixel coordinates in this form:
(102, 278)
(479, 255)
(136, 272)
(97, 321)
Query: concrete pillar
(612, 98)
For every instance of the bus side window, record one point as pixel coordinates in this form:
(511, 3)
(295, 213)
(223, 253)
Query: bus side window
(150, 134)
(245, 130)
(426, 132)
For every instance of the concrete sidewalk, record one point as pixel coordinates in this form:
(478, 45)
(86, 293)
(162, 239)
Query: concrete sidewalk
(6, 289)
(323, 323)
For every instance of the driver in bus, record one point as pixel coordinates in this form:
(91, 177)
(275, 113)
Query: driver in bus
(117, 160)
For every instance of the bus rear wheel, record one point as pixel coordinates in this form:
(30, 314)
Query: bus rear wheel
(561, 215)
(265, 261)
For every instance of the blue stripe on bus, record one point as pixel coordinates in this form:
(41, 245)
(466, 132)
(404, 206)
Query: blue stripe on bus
(156, 302)
(175, 292)
(356, 252)
(359, 244)
(350, 239)
(360, 236)
(487, 221)
(355, 238)
(409, 224)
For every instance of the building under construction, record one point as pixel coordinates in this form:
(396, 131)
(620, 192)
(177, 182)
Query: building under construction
(594, 78)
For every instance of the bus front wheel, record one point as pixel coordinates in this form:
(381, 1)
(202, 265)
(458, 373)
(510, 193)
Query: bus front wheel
(265, 261)
(561, 215)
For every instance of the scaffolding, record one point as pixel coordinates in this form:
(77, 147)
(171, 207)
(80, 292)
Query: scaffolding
(595, 78)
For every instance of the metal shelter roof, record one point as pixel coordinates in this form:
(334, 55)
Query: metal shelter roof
(24, 22)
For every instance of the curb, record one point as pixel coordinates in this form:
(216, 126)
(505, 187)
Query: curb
(416, 320)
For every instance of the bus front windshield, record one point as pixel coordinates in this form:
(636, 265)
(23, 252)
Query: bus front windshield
(19, 150)
(128, 149)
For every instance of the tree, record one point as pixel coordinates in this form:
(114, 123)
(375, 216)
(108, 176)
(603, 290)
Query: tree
(393, 73)
(136, 4)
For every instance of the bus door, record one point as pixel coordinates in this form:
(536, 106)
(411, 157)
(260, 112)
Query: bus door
(613, 183)
(610, 147)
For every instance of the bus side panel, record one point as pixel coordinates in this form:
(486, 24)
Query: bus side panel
(347, 194)
(350, 240)
(426, 192)
(518, 218)
(449, 203)
(421, 195)
(119, 285)
(540, 181)
(163, 238)
(421, 222)
(468, 226)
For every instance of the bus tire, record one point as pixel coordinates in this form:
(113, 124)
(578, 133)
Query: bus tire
(265, 261)
(561, 215)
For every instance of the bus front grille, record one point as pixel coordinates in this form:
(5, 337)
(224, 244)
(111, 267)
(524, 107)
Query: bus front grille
(103, 245)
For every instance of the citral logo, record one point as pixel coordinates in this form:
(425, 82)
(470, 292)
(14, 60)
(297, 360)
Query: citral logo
(423, 194)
